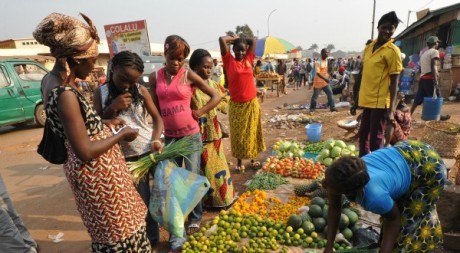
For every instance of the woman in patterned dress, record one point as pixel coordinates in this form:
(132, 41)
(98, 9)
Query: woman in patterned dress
(244, 110)
(401, 183)
(213, 161)
(110, 207)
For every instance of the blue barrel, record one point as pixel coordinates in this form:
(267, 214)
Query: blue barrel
(431, 108)
(314, 132)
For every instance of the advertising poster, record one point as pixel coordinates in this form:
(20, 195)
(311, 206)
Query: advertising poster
(131, 36)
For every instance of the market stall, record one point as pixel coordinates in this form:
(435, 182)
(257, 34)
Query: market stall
(271, 81)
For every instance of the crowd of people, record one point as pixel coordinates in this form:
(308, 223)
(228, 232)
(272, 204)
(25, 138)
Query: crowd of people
(184, 101)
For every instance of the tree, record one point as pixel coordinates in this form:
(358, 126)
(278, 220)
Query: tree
(313, 47)
(245, 30)
(299, 48)
(330, 47)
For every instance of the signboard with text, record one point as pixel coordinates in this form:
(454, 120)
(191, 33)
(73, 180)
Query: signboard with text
(132, 36)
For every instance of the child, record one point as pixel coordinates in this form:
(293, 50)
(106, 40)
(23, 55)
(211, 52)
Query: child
(402, 121)
(171, 89)
(122, 97)
(213, 161)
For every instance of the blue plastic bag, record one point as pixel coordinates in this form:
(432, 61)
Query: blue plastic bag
(175, 192)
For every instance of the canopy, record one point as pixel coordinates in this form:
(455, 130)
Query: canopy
(272, 45)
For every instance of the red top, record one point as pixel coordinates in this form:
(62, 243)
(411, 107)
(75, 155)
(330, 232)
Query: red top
(240, 77)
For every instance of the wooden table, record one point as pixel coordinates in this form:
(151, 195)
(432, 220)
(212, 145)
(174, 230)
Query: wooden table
(273, 81)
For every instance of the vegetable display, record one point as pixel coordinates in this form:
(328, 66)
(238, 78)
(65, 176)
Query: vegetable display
(333, 150)
(266, 181)
(294, 167)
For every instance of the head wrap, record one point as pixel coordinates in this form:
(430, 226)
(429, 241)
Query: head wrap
(342, 69)
(67, 36)
(390, 17)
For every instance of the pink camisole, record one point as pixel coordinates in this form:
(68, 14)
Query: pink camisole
(174, 100)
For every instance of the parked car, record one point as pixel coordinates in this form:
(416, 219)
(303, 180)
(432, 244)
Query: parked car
(20, 92)
(151, 64)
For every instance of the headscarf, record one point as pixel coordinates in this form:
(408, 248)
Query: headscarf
(67, 36)
(390, 17)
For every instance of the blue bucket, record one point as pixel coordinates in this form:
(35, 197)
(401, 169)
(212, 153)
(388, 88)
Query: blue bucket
(314, 132)
(431, 108)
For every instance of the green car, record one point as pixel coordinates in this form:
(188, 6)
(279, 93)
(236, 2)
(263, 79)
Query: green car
(20, 93)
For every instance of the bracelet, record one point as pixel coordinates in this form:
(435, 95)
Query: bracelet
(157, 141)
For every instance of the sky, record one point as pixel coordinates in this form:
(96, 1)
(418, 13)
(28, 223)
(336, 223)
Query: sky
(344, 23)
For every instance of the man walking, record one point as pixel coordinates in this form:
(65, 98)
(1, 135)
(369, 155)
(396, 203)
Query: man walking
(216, 72)
(281, 70)
(321, 82)
(429, 76)
(377, 94)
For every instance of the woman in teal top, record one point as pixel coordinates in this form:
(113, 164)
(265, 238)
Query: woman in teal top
(401, 183)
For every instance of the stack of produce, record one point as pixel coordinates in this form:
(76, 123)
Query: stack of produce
(267, 74)
(298, 167)
(288, 149)
(314, 148)
(333, 150)
(226, 233)
(316, 218)
(266, 181)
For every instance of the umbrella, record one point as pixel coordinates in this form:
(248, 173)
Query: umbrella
(272, 45)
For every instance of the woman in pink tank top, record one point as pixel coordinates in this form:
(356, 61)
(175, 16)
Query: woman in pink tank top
(171, 90)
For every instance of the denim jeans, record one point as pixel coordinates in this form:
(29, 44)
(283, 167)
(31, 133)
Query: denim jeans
(192, 164)
(330, 98)
(14, 236)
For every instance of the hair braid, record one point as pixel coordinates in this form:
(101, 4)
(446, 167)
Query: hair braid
(348, 173)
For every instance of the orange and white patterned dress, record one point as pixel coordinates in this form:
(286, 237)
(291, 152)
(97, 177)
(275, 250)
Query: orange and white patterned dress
(109, 205)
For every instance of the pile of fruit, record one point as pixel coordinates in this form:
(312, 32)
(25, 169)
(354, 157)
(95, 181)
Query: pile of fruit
(257, 203)
(267, 75)
(294, 167)
(333, 150)
(226, 233)
(316, 218)
(314, 147)
(288, 149)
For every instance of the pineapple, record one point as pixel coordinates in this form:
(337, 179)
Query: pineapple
(300, 190)
(320, 192)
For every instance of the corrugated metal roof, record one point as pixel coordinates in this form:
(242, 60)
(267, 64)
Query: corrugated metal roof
(428, 17)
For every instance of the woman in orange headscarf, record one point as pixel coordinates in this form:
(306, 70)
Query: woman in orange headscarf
(109, 205)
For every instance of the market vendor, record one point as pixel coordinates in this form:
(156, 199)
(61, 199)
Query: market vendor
(402, 184)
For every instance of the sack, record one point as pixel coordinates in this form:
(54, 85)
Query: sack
(175, 192)
(52, 146)
(363, 237)
(224, 130)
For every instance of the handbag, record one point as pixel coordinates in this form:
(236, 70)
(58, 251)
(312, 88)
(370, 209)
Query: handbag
(52, 146)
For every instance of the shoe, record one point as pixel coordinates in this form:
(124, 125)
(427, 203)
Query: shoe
(312, 110)
(334, 110)
(445, 117)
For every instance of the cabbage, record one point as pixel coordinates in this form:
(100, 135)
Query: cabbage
(289, 154)
(329, 144)
(351, 147)
(319, 158)
(340, 144)
(299, 154)
(294, 148)
(336, 151)
(278, 153)
(328, 161)
(325, 153)
(345, 152)
(285, 146)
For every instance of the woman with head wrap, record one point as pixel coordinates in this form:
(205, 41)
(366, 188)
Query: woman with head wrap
(377, 92)
(110, 207)
(402, 184)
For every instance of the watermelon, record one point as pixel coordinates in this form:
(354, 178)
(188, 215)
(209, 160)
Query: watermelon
(319, 224)
(308, 227)
(344, 221)
(315, 211)
(352, 216)
(347, 233)
(318, 201)
(295, 221)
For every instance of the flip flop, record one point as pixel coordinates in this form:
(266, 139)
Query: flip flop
(193, 228)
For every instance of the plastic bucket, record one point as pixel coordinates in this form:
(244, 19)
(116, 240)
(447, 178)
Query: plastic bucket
(314, 132)
(431, 108)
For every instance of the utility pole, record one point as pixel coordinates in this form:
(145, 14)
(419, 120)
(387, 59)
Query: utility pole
(268, 21)
(408, 16)
(373, 21)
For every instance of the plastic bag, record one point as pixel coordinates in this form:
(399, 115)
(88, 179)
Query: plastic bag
(365, 237)
(175, 192)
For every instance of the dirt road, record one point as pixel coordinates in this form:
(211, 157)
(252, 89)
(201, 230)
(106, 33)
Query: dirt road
(42, 196)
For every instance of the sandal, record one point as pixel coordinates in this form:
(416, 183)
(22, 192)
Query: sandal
(240, 168)
(193, 228)
(255, 165)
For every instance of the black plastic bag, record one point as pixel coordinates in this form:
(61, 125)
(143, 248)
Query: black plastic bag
(365, 237)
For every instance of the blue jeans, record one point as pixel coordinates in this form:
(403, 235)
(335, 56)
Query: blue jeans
(330, 98)
(192, 164)
(14, 236)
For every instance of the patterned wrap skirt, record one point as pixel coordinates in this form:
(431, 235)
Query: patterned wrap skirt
(110, 207)
(246, 129)
(420, 226)
(214, 166)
